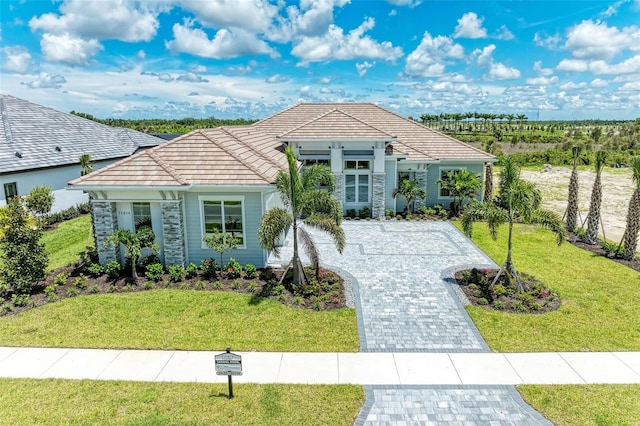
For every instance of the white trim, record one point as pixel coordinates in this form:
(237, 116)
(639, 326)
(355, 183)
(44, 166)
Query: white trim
(203, 198)
(440, 170)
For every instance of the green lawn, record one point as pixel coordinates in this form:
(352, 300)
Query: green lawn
(599, 309)
(55, 402)
(586, 404)
(66, 241)
(181, 319)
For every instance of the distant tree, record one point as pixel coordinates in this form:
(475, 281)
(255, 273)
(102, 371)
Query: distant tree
(593, 218)
(133, 244)
(40, 200)
(221, 242)
(85, 164)
(23, 258)
(411, 191)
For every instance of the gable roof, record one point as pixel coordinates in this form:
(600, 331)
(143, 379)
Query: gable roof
(33, 136)
(253, 155)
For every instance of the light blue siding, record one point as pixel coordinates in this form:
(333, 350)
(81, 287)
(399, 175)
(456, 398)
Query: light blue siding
(433, 189)
(252, 206)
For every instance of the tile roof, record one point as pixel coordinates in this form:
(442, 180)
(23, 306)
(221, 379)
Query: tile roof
(33, 136)
(253, 155)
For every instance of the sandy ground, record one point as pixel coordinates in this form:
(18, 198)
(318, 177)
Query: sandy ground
(617, 188)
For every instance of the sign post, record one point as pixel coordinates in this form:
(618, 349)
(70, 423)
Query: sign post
(229, 364)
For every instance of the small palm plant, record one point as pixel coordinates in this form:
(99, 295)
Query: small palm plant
(305, 202)
(593, 218)
(133, 244)
(411, 191)
(461, 185)
(633, 215)
(572, 203)
(518, 202)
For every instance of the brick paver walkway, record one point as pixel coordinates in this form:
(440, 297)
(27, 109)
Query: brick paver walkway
(401, 273)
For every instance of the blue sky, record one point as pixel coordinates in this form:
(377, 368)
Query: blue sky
(162, 58)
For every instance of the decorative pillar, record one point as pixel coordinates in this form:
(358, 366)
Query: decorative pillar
(105, 218)
(338, 194)
(377, 198)
(173, 233)
(421, 179)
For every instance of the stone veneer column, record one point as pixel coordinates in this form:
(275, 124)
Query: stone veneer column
(338, 194)
(421, 177)
(378, 195)
(105, 218)
(173, 233)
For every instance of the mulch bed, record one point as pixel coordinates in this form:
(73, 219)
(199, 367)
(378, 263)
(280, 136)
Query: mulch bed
(328, 294)
(598, 250)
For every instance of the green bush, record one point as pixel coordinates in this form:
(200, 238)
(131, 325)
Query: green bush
(20, 299)
(67, 214)
(72, 292)
(61, 279)
(113, 270)
(390, 212)
(252, 287)
(250, 271)
(217, 285)
(176, 273)
(191, 270)
(364, 213)
(154, 272)
(200, 285)
(80, 282)
(149, 285)
(483, 301)
(351, 213)
(234, 269)
(236, 285)
(95, 270)
(50, 292)
(94, 289)
(209, 268)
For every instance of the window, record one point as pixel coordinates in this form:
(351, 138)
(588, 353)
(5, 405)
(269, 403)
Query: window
(316, 162)
(224, 216)
(141, 215)
(444, 175)
(10, 190)
(356, 188)
(356, 165)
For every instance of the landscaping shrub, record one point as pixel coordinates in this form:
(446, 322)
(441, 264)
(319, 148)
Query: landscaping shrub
(350, 213)
(234, 269)
(154, 272)
(50, 292)
(67, 214)
(80, 282)
(191, 270)
(95, 270)
(250, 271)
(61, 279)
(209, 268)
(176, 273)
(113, 269)
(364, 213)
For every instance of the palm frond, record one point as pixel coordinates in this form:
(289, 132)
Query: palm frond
(319, 201)
(635, 169)
(314, 177)
(549, 220)
(330, 227)
(309, 247)
(274, 223)
(479, 211)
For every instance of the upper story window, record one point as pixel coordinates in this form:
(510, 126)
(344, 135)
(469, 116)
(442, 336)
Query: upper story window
(141, 215)
(316, 162)
(357, 165)
(10, 190)
(223, 215)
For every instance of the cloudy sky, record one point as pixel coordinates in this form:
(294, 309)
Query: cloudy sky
(250, 58)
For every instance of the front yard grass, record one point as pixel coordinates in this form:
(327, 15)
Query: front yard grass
(586, 404)
(66, 241)
(55, 402)
(181, 319)
(599, 298)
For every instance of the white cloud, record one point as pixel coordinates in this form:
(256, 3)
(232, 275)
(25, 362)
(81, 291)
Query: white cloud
(597, 82)
(199, 69)
(192, 77)
(484, 57)
(499, 71)
(409, 3)
(541, 39)
(393, 12)
(613, 9)
(573, 65)
(429, 58)
(470, 26)
(277, 78)
(628, 66)
(596, 40)
(364, 67)
(504, 33)
(100, 19)
(545, 72)
(46, 81)
(141, 55)
(542, 81)
(311, 18)
(16, 59)
(335, 45)
(630, 87)
(165, 76)
(225, 44)
(573, 86)
(325, 80)
(249, 15)
(68, 49)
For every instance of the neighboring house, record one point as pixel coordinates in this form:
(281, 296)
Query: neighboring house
(42, 146)
(224, 178)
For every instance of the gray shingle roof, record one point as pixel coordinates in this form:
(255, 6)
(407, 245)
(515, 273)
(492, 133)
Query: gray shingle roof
(33, 136)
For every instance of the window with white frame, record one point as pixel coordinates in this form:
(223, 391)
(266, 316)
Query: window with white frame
(141, 215)
(223, 215)
(357, 181)
(10, 190)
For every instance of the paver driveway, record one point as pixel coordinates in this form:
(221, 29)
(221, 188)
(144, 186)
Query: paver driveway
(401, 273)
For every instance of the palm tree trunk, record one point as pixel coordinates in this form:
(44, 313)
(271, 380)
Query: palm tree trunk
(633, 227)
(296, 257)
(572, 204)
(509, 262)
(488, 183)
(593, 219)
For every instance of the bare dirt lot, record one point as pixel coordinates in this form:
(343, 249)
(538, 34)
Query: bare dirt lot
(617, 188)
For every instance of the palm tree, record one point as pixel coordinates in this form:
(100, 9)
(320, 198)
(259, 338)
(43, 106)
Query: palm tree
(633, 215)
(306, 203)
(85, 164)
(518, 201)
(572, 204)
(461, 185)
(593, 218)
(133, 244)
(411, 191)
(488, 182)
(87, 167)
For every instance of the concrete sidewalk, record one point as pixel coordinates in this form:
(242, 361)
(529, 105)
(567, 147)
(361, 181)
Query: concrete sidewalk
(365, 368)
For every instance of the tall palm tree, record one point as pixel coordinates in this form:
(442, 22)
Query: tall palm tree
(593, 218)
(572, 204)
(518, 201)
(305, 202)
(411, 191)
(488, 182)
(633, 215)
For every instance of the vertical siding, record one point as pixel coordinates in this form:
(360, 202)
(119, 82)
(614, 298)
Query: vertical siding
(253, 253)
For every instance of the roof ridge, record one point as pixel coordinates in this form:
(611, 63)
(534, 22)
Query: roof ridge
(167, 168)
(340, 110)
(250, 146)
(5, 121)
(239, 158)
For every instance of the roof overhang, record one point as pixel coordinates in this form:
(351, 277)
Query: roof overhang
(336, 139)
(127, 187)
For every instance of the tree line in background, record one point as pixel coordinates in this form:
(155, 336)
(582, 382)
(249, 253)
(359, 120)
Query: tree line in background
(160, 125)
